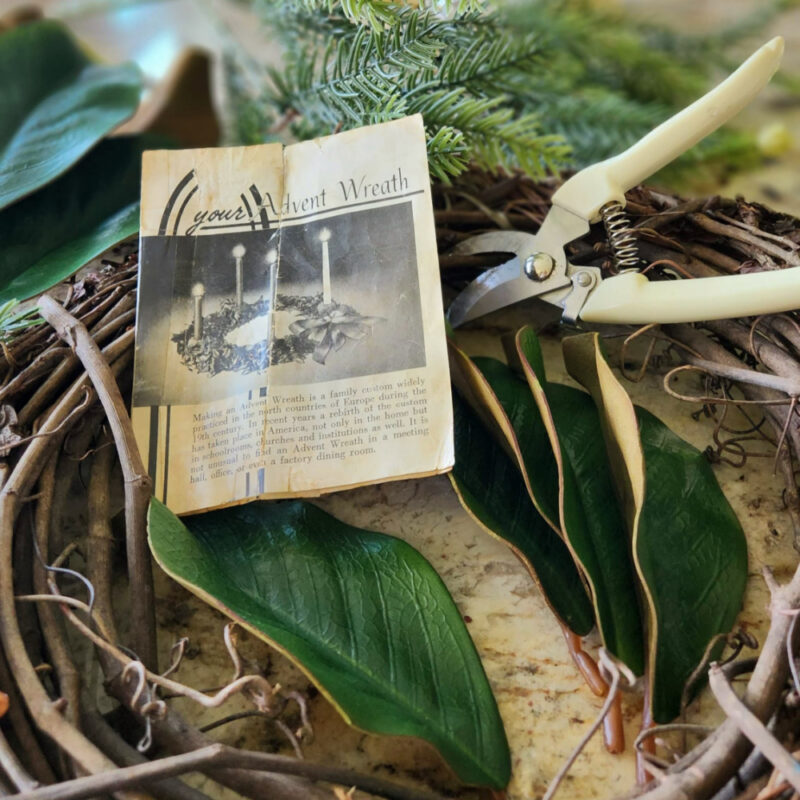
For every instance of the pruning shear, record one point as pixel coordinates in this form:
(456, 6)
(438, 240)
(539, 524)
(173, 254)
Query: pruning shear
(540, 268)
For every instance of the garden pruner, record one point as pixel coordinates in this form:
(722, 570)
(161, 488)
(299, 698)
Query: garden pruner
(539, 267)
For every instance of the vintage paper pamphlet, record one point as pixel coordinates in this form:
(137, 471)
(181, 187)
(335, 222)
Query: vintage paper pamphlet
(290, 336)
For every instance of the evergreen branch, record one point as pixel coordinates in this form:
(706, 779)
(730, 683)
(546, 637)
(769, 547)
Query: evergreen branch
(597, 47)
(596, 79)
(600, 124)
(486, 65)
(597, 123)
(329, 102)
(250, 119)
(359, 70)
(442, 68)
(496, 137)
(375, 14)
(412, 44)
(300, 31)
(448, 154)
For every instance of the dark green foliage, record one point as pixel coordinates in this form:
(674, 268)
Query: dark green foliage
(539, 85)
(363, 614)
(252, 120)
(56, 105)
(452, 71)
(612, 79)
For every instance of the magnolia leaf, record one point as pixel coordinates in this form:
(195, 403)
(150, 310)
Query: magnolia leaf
(362, 614)
(590, 517)
(688, 546)
(54, 232)
(491, 489)
(57, 105)
(530, 427)
(506, 408)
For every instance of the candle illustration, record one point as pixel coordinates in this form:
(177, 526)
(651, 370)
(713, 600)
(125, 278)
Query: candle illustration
(272, 263)
(198, 291)
(238, 253)
(324, 237)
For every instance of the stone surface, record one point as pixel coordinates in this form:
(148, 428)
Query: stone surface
(545, 705)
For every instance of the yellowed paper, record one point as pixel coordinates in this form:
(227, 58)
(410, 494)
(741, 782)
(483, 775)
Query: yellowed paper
(290, 336)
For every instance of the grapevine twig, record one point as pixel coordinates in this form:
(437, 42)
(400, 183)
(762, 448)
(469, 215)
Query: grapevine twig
(219, 755)
(752, 727)
(138, 484)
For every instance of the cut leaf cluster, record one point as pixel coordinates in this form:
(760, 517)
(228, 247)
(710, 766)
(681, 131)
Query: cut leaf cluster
(622, 522)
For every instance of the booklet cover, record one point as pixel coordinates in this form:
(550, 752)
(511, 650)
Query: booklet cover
(290, 336)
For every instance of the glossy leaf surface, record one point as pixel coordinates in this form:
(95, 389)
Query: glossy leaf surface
(590, 514)
(583, 520)
(689, 548)
(52, 233)
(56, 106)
(503, 403)
(362, 613)
(491, 489)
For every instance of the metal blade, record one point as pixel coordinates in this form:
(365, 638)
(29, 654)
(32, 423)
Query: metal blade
(496, 242)
(495, 288)
(508, 284)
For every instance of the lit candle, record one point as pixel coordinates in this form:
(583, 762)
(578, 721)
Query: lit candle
(198, 291)
(238, 253)
(272, 263)
(324, 237)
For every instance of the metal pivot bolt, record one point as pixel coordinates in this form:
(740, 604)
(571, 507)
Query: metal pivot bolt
(583, 279)
(539, 266)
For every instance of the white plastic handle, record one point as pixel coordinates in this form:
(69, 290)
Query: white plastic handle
(632, 298)
(590, 189)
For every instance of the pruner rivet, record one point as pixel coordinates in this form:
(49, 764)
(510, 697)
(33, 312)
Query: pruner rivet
(583, 279)
(539, 266)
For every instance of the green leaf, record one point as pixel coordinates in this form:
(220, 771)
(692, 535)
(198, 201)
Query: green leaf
(52, 233)
(490, 487)
(540, 438)
(12, 320)
(56, 105)
(590, 516)
(363, 614)
(688, 546)
(504, 403)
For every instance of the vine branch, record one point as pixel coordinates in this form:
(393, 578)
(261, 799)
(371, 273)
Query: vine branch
(138, 485)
